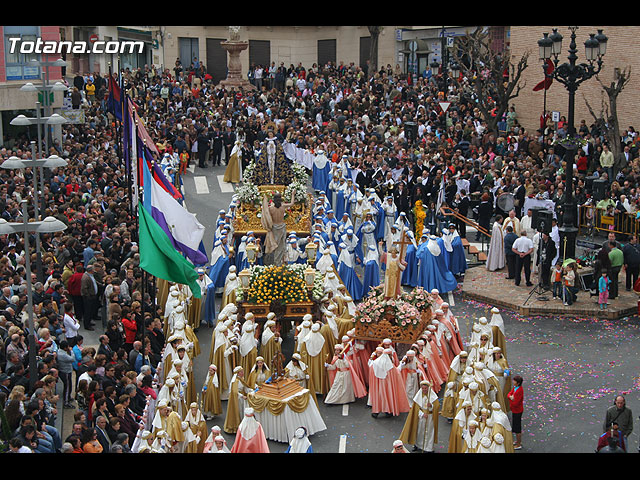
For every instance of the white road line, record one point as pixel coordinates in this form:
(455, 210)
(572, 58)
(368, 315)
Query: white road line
(201, 185)
(345, 410)
(343, 444)
(451, 302)
(225, 187)
(192, 168)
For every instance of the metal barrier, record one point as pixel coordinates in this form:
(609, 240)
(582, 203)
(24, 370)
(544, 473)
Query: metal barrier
(592, 219)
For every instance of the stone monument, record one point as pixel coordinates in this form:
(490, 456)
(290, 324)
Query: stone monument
(234, 46)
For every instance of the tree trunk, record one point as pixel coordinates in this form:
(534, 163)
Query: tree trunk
(373, 50)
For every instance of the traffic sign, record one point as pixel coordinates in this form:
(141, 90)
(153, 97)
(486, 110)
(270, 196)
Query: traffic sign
(444, 106)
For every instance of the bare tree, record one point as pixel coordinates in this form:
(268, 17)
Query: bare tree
(607, 120)
(493, 79)
(373, 49)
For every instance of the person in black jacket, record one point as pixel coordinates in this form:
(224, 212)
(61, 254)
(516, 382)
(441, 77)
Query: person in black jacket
(546, 254)
(485, 212)
(203, 147)
(631, 253)
(510, 256)
(217, 147)
(228, 140)
(461, 204)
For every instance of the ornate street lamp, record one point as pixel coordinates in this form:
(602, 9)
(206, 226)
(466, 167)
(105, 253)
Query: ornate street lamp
(572, 75)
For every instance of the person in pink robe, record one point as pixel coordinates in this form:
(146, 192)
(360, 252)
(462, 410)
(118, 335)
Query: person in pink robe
(348, 349)
(436, 359)
(250, 437)
(448, 314)
(387, 392)
(453, 341)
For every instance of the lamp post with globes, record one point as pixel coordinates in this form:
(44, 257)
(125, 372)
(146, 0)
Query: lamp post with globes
(48, 225)
(571, 74)
(15, 163)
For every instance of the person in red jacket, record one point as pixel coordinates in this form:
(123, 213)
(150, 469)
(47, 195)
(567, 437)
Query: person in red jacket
(74, 286)
(515, 397)
(130, 328)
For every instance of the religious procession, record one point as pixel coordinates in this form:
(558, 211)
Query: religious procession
(324, 298)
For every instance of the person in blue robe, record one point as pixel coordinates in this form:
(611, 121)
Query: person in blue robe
(367, 233)
(219, 263)
(371, 270)
(353, 245)
(320, 172)
(410, 274)
(339, 207)
(457, 257)
(210, 305)
(432, 271)
(334, 253)
(347, 274)
(445, 253)
(241, 255)
(300, 443)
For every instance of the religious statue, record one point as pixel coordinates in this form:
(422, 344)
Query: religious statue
(273, 221)
(393, 274)
(277, 367)
(271, 166)
(234, 34)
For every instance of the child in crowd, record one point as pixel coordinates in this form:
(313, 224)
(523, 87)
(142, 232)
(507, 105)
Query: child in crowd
(603, 290)
(557, 281)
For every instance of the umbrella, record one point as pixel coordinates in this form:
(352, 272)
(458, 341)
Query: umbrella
(568, 261)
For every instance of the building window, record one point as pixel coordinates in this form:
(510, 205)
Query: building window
(19, 66)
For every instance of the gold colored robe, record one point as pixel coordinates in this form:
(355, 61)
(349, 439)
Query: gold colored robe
(410, 434)
(211, 403)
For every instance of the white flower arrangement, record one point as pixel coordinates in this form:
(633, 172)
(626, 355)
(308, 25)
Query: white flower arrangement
(300, 174)
(297, 191)
(248, 193)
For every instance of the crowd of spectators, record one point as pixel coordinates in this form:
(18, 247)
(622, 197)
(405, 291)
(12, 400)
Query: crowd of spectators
(91, 276)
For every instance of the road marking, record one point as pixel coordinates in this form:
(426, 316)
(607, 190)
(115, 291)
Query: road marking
(201, 185)
(192, 168)
(225, 187)
(345, 410)
(451, 302)
(343, 444)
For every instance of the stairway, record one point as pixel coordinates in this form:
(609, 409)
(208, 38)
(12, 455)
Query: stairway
(474, 249)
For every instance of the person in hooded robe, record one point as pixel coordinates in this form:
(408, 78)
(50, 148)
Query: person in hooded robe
(432, 271)
(248, 344)
(250, 437)
(315, 352)
(271, 341)
(460, 427)
(238, 391)
(220, 263)
(411, 374)
(215, 442)
(386, 390)
(210, 395)
(259, 374)
(502, 425)
(496, 258)
(421, 425)
(300, 442)
(498, 331)
(320, 171)
(453, 244)
(366, 233)
(347, 273)
(448, 410)
(500, 368)
(472, 438)
(410, 274)
(371, 277)
(197, 425)
(231, 283)
(341, 379)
